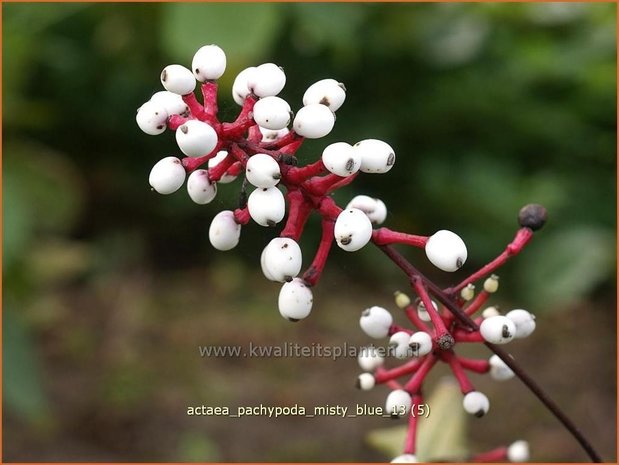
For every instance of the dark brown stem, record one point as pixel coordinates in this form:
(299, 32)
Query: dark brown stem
(460, 315)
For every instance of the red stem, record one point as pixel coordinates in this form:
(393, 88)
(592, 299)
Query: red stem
(296, 175)
(523, 236)
(209, 94)
(414, 384)
(465, 383)
(413, 316)
(462, 335)
(215, 174)
(175, 121)
(192, 163)
(495, 455)
(242, 216)
(243, 122)
(313, 273)
(442, 337)
(321, 186)
(384, 236)
(298, 212)
(475, 365)
(408, 368)
(195, 107)
(410, 444)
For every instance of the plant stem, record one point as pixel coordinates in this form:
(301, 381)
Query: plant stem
(411, 272)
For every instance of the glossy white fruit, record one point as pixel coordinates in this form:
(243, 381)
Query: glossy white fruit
(196, 138)
(399, 345)
(369, 359)
(262, 170)
(224, 232)
(499, 370)
(199, 188)
(476, 403)
(365, 381)
(353, 229)
(167, 176)
(208, 63)
(314, 121)
(295, 300)
(524, 321)
(327, 92)
(375, 322)
(398, 403)
(178, 79)
(272, 113)
(173, 103)
(282, 259)
(375, 209)
(498, 329)
(340, 159)
(518, 452)
(420, 343)
(266, 206)
(266, 80)
(152, 118)
(240, 91)
(446, 250)
(376, 156)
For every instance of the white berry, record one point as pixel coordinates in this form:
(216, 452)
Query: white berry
(173, 103)
(446, 250)
(398, 403)
(152, 118)
(282, 259)
(365, 381)
(490, 312)
(167, 176)
(498, 329)
(272, 113)
(295, 300)
(266, 80)
(314, 121)
(399, 344)
(420, 343)
(208, 63)
(216, 160)
(518, 451)
(369, 359)
(327, 92)
(375, 209)
(267, 206)
(240, 91)
(340, 159)
(270, 135)
(476, 403)
(178, 79)
(375, 322)
(499, 370)
(196, 138)
(405, 458)
(262, 170)
(353, 229)
(376, 156)
(224, 232)
(200, 189)
(524, 321)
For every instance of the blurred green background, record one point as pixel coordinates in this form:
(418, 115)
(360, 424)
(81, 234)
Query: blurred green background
(109, 288)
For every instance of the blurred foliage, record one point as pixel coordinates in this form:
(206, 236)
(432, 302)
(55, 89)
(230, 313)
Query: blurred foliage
(488, 106)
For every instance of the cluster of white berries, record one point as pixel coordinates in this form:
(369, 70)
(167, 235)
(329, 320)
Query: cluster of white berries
(499, 329)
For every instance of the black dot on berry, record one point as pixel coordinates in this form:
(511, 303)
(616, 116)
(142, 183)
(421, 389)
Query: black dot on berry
(391, 159)
(197, 70)
(324, 101)
(164, 75)
(184, 129)
(350, 164)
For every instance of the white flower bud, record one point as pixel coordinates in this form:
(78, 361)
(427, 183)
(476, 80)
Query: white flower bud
(340, 159)
(216, 160)
(208, 63)
(375, 322)
(152, 118)
(352, 230)
(491, 284)
(490, 312)
(167, 176)
(420, 343)
(524, 321)
(282, 259)
(327, 92)
(314, 121)
(240, 91)
(262, 170)
(199, 188)
(399, 344)
(398, 403)
(266, 80)
(196, 138)
(375, 209)
(468, 292)
(402, 300)
(498, 329)
(224, 232)
(499, 370)
(476, 403)
(376, 156)
(173, 103)
(295, 300)
(267, 206)
(178, 79)
(369, 359)
(270, 135)
(272, 113)
(446, 250)
(365, 381)
(518, 452)
(405, 458)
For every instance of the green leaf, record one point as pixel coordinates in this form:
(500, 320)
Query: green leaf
(22, 389)
(440, 436)
(245, 31)
(567, 265)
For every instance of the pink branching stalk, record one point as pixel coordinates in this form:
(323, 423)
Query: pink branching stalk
(260, 146)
